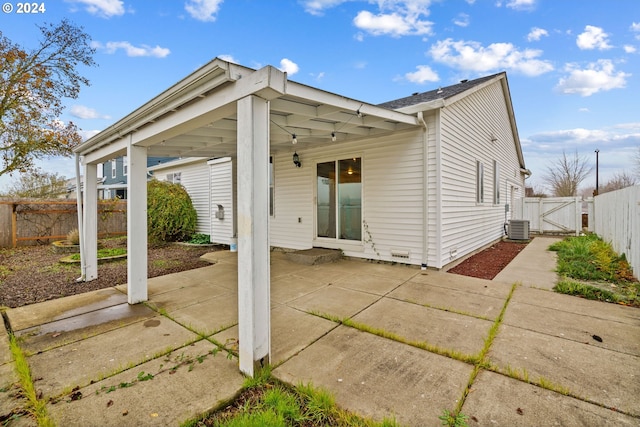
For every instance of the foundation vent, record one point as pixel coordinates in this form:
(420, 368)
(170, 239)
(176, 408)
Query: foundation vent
(400, 253)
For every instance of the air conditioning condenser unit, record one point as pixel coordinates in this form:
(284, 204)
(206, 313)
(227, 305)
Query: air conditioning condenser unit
(519, 229)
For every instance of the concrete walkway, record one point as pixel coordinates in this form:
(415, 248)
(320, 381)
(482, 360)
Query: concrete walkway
(417, 343)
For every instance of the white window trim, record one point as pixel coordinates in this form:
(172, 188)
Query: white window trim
(124, 166)
(114, 169)
(479, 182)
(496, 183)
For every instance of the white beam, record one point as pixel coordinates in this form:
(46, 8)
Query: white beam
(254, 316)
(137, 224)
(90, 220)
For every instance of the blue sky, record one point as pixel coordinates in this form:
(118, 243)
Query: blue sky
(573, 65)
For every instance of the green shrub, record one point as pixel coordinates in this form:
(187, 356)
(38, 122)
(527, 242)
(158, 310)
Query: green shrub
(171, 215)
(200, 239)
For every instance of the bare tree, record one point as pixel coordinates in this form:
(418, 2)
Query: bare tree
(619, 181)
(39, 184)
(565, 175)
(636, 163)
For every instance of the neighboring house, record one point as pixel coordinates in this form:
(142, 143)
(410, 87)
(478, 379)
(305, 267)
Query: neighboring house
(114, 176)
(375, 207)
(422, 180)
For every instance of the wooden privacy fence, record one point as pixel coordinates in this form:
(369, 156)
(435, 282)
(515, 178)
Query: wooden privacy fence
(617, 220)
(552, 215)
(35, 221)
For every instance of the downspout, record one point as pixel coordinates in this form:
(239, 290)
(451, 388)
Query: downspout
(425, 192)
(83, 266)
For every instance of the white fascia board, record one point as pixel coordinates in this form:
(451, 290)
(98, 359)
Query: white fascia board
(177, 162)
(321, 97)
(115, 149)
(267, 83)
(219, 160)
(211, 75)
(423, 106)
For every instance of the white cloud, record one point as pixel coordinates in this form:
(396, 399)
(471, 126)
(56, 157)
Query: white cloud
(629, 49)
(289, 67)
(317, 7)
(584, 110)
(463, 20)
(593, 38)
(394, 24)
(472, 56)
(131, 50)
(521, 4)
(422, 75)
(83, 112)
(86, 134)
(598, 76)
(536, 33)
(635, 27)
(102, 8)
(228, 58)
(203, 10)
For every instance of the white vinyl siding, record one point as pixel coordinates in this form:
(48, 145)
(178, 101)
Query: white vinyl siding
(222, 193)
(474, 129)
(392, 202)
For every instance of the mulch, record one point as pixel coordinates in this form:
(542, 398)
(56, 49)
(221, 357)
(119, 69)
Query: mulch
(34, 274)
(489, 262)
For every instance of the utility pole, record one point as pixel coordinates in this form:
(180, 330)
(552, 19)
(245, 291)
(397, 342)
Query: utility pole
(597, 190)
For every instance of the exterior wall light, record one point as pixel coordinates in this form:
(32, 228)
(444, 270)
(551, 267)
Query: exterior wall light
(296, 160)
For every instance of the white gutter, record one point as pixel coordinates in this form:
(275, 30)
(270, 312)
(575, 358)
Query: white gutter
(83, 265)
(425, 192)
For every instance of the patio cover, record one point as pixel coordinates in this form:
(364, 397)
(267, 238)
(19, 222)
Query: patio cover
(224, 109)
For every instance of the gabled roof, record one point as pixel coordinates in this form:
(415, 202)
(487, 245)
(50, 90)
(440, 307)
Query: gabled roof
(440, 93)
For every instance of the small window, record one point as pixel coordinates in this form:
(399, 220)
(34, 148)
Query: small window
(125, 166)
(177, 177)
(113, 168)
(479, 182)
(496, 183)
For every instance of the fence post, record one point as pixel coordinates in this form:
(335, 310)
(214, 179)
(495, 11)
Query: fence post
(14, 225)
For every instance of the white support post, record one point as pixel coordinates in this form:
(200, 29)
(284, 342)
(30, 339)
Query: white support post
(136, 224)
(254, 315)
(90, 222)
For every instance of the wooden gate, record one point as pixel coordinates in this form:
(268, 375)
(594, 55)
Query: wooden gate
(552, 215)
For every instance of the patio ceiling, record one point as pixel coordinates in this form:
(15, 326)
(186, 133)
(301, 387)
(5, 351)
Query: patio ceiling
(197, 117)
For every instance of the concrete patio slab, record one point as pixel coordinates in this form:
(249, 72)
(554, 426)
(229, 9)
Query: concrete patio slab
(598, 375)
(171, 282)
(79, 363)
(572, 304)
(502, 401)
(209, 316)
(186, 383)
(36, 314)
(463, 283)
(449, 299)
(378, 285)
(416, 323)
(534, 266)
(76, 328)
(334, 301)
(292, 286)
(610, 334)
(379, 378)
(187, 295)
(291, 331)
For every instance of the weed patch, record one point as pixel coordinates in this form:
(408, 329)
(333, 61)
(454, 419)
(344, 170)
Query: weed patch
(265, 401)
(599, 273)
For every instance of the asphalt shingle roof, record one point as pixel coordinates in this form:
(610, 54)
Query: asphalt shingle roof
(440, 93)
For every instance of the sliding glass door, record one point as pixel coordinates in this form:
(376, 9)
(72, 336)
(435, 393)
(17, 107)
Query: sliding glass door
(339, 199)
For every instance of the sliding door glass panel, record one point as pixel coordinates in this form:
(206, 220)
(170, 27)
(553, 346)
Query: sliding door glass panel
(326, 202)
(350, 199)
